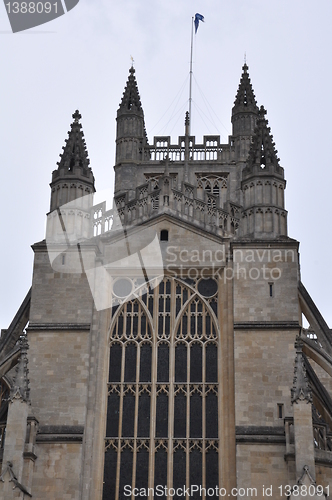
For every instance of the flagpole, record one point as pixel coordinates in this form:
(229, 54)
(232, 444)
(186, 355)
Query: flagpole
(191, 70)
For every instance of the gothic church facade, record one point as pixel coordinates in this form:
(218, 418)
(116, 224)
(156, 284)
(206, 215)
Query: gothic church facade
(161, 343)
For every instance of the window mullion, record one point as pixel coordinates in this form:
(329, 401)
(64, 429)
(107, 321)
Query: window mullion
(188, 405)
(153, 399)
(138, 359)
(203, 406)
(171, 386)
(117, 485)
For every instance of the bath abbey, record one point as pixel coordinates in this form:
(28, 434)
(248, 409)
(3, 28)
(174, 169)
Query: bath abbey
(161, 350)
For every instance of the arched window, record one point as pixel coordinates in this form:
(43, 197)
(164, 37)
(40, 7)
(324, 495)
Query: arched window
(162, 415)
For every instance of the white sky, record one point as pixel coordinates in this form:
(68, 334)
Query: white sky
(81, 60)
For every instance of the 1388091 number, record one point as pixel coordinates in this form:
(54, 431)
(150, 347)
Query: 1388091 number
(303, 490)
(31, 7)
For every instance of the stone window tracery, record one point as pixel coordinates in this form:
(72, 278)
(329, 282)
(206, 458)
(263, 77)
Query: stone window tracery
(213, 184)
(162, 417)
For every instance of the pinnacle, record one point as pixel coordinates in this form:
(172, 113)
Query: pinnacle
(131, 100)
(262, 150)
(301, 389)
(20, 388)
(245, 98)
(74, 153)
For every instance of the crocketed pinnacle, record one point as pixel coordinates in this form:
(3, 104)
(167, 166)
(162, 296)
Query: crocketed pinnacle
(301, 390)
(75, 153)
(262, 150)
(245, 98)
(20, 388)
(131, 100)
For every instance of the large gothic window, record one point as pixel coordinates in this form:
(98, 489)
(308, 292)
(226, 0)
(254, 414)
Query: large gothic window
(162, 414)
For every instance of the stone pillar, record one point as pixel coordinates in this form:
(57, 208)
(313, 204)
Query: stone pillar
(303, 431)
(303, 437)
(302, 411)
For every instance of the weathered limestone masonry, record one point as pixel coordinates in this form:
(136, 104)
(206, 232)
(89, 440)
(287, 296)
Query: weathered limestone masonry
(161, 343)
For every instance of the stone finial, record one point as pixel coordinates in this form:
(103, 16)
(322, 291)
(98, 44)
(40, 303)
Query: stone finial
(300, 390)
(20, 389)
(77, 116)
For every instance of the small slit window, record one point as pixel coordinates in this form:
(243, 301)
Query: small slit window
(164, 235)
(280, 411)
(271, 289)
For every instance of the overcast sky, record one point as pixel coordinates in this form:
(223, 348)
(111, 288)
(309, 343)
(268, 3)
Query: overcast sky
(81, 60)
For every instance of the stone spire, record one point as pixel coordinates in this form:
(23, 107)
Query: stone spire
(131, 100)
(131, 137)
(244, 116)
(75, 154)
(73, 177)
(301, 390)
(245, 100)
(20, 388)
(262, 151)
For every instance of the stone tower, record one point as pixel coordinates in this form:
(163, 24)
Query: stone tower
(166, 346)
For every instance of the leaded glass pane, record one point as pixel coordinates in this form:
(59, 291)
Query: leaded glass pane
(142, 468)
(160, 476)
(196, 416)
(130, 365)
(180, 415)
(143, 428)
(113, 415)
(211, 404)
(109, 474)
(126, 471)
(196, 362)
(163, 363)
(162, 416)
(211, 363)
(128, 415)
(196, 470)
(181, 362)
(212, 479)
(145, 363)
(115, 363)
(179, 468)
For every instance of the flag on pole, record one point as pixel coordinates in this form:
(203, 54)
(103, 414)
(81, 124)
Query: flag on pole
(198, 18)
